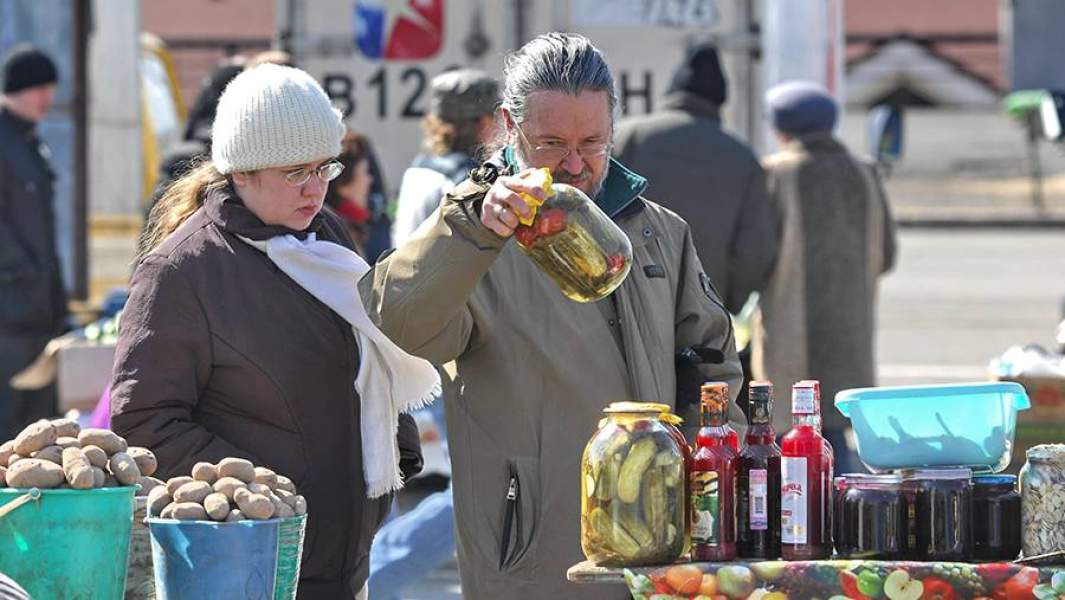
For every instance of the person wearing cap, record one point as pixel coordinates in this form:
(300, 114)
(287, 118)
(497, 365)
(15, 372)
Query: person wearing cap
(528, 371)
(243, 335)
(712, 179)
(460, 121)
(837, 237)
(33, 301)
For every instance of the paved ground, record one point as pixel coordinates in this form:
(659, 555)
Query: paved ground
(960, 297)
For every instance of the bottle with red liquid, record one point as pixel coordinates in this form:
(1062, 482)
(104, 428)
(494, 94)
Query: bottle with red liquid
(805, 482)
(758, 480)
(712, 481)
(731, 437)
(830, 454)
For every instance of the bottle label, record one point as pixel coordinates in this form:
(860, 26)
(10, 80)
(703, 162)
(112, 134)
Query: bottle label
(759, 482)
(803, 401)
(706, 524)
(793, 499)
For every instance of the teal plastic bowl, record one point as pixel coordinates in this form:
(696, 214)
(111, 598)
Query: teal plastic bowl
(958, 425)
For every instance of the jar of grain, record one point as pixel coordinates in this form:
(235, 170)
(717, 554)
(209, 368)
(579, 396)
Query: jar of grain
(1042, 482)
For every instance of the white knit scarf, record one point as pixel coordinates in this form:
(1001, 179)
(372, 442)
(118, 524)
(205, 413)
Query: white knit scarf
(389, 381)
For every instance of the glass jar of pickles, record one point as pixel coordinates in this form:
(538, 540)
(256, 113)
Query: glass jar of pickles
(632, 490)
(573, 242)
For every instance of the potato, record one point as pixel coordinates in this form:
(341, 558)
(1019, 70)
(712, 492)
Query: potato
(175, 482)
(205, 471)
(14, 458)
(34, 437)
(49, 453)
(106, 440)
(287, 497)
(3, 476)
(68, 442)
(217, 506)
(124, 469)
(96, 455)
(281, 510)
(99, 477)
(66, 428)
(158, 499)
(110, 481)
(234, 516)
(34, 472)
(6, 450)
(148, 484)
(189, 511)
(193, 491)
(300, 505)
(284, 483)
(259, 488)
(237, 467)
(228, 486)
(266, 477)
(145, 460)
(168, 511)
(254, 506)
(77, 468)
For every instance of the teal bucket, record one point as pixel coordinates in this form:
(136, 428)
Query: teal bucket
(246, 560)
(67, 544)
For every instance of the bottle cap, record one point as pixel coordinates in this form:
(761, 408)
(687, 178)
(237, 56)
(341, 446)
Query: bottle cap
(714, 398)
(804, 398)
(760, 394)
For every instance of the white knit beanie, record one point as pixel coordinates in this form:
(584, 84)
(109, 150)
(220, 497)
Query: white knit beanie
(273, 116)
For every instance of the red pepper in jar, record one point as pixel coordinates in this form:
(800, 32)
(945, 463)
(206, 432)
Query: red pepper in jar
(550, 222)
(525, 235)
(615, 263)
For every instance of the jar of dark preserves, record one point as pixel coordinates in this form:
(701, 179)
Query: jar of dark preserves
(872, 517)
(942, 513)
(996, 517)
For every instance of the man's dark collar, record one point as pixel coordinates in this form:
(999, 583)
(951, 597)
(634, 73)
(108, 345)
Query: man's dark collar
(620, 188)
(23, 126)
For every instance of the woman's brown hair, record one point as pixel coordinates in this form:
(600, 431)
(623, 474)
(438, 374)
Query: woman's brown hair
(182, 198)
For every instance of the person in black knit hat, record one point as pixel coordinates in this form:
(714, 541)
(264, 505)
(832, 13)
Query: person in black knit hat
(713, 180)
(33, 303)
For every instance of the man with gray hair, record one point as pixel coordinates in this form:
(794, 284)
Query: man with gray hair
(528, 372)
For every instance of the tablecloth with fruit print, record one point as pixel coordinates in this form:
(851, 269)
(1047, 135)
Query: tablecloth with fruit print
(841, 579)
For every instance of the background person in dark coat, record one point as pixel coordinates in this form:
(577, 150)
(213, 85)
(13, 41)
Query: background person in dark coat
(33, 303)
(710, 178)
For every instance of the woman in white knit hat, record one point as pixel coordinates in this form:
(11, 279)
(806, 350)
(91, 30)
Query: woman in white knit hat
(244, 334)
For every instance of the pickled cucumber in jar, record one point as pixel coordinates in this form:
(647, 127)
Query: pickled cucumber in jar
(574, 242)
(632, 491)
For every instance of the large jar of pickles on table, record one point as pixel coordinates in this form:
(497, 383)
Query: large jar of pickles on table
(632, 490)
